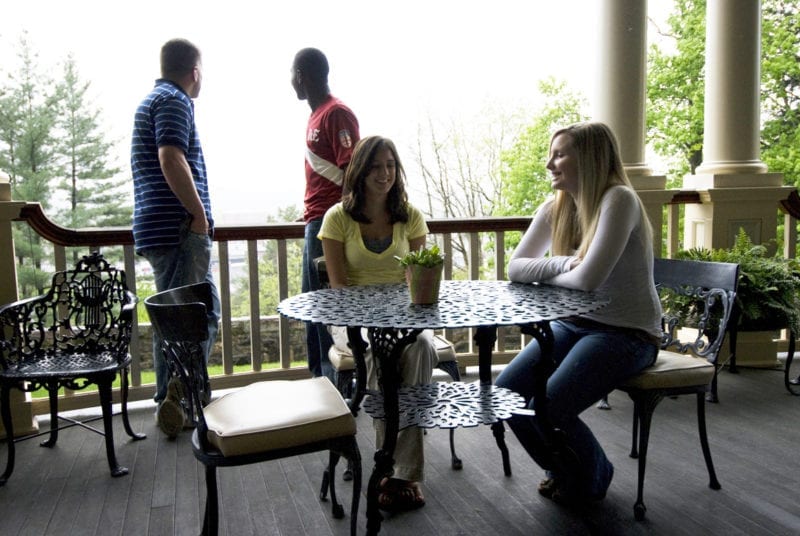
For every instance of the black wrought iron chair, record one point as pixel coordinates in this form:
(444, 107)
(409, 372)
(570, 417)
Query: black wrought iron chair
(698, 298)
(344, 364)
(75, 335)
(263, 421)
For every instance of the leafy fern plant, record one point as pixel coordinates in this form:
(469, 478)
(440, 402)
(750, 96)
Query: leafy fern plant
(768, 295)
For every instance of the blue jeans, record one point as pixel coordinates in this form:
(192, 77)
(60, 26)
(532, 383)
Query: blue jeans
(318, 340)
(187, 263)
(590, 363)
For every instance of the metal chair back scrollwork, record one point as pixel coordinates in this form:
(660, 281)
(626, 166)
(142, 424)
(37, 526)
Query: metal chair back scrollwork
(262, 421)
(75, 335)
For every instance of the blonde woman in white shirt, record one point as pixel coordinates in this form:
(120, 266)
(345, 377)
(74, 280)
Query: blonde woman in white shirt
(361, 236)
(593, 235)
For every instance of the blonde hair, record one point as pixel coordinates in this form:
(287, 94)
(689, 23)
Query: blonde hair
(574, 220)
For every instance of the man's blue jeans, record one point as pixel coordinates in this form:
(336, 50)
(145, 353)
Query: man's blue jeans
(318, 340)
(185, 264)
(590, 363)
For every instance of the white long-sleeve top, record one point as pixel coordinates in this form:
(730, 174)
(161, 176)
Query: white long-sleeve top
(618, 262)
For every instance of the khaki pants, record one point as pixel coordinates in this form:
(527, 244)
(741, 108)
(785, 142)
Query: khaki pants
(416, 367)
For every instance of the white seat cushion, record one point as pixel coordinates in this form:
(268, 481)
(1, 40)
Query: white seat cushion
(343, 359)
(444, 349)
(672, 369)
(277, 414)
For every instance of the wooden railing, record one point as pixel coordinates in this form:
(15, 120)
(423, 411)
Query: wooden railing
(475, 248)
(462, 240)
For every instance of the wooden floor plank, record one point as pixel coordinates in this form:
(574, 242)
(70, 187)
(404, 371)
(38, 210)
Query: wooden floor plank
(137, 509)
(753, 433)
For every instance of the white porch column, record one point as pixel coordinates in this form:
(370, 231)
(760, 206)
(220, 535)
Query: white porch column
(733, 72)
(737, 190)
(621, 61)
(619, 100)
(21, 415)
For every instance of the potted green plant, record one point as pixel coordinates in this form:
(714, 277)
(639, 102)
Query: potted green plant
(423, 269)
(768, 296)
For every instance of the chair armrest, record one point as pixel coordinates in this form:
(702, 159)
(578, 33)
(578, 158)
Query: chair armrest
(15, 320)
(5, 309)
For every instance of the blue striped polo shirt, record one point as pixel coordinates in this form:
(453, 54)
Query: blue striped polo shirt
(164, 117)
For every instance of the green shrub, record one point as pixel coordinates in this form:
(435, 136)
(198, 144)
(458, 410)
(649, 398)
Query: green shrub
(768, 295)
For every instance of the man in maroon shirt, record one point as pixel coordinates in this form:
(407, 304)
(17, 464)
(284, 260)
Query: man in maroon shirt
(331, 134)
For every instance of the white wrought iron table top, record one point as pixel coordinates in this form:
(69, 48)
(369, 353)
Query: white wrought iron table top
(461, 304)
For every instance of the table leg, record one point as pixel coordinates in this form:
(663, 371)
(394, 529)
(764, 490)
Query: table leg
(544, 337)
(387, 347)
(792, 384)
(358, 347)
(544, 368)
(554, 438)
(485, 337)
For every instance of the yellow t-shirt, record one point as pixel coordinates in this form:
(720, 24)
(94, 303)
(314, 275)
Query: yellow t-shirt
(363, 266)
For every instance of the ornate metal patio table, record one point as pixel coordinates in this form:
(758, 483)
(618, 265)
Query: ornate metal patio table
(393, 322)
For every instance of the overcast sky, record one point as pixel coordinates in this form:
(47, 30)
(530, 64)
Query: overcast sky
(393, 64)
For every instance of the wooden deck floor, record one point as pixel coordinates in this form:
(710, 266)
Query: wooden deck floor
(754, 434)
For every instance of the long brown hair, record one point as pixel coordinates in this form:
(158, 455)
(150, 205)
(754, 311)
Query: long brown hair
(356, 174)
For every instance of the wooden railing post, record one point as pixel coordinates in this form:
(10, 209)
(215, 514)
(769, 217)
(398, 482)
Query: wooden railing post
(464, 241)
(21, 412)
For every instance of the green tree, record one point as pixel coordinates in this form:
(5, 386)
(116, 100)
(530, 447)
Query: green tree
(494, 168)
(51, 131)
(95, 194)
(27, 124)
(268, 295)
(458, 161)
(780, 83)
(675, 90)
(524, 176)
(28, 121)
(676, 86)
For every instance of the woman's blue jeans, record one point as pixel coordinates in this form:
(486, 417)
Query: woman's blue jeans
(185, 264)
(590, 363)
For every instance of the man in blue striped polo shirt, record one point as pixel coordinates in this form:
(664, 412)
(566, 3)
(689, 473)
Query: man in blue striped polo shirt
(172, 222)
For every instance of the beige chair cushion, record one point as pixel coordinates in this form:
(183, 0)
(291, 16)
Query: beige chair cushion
(444, 349)
(343, 359)
(672, 369)
(277, 414)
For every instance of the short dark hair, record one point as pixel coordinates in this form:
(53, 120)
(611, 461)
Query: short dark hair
(178, 58)
(313, 64)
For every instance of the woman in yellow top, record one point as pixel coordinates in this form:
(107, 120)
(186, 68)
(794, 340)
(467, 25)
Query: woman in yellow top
(361, 236)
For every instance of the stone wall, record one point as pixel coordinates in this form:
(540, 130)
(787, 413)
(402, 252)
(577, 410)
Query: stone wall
(269, 342)
(241, 342)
